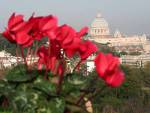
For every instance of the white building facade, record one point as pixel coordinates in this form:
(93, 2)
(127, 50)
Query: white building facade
(8, 61)
(100, 33)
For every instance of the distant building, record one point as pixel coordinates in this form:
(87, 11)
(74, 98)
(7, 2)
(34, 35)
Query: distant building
(100, 33)
(7, 60)
(99, 27)
(138, 60)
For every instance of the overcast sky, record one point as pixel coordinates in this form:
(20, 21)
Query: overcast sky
(129, 16)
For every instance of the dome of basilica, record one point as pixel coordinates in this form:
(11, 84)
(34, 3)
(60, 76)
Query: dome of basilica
(99, 26)
(99, 22)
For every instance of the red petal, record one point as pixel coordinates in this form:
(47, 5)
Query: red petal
(70, 52)
(42, 52)
(18, 27)
(9, 36)
(27, 44)
(90, 48)
(101, 63)
(14, 20)
(52, 64)
(69, 37)
(62, 32)
(75, 44)
(113, 62)
(40, 64)
(51, 35)
(83, 47)
(83, 31)
(48, 22)
(22, 38)
(116, 79)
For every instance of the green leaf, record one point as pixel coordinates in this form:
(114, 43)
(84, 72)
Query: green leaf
(76, 109)
(76, 79)
(44, 86)
(5, 88)
(19, 74)
(56, 105)
(73, 83)
(25, 101)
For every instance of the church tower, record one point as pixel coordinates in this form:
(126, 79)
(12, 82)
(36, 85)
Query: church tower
(117, 34)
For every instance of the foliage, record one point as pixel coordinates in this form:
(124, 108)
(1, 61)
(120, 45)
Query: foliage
(5, 45)
(28, 92)
(45, 84)
(106, 49)
(132, 97)
(135, 53)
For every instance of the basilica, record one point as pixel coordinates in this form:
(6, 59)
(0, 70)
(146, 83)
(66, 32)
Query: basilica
(100, 33)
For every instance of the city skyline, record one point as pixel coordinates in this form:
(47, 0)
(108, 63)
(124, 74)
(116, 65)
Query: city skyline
(130, 17)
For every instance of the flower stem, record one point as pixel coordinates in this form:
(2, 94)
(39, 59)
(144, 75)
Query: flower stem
(23, 56)
(46, 75)
(17, 55)
(97, 91)
(29, 53)
(87, 91)
(81, 98)
(60, 83)
(82, 109)
(77, 65)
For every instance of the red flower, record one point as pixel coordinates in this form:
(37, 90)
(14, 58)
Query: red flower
(82, 32)
(46, 59)
(17, 31)
(72, 48)
(25, 32)
(10, 37)
(70, 40)
(43, 57)
(49, 60)
(87, 48)
(43, 26)
(48, 25)
(107, 67)
(15, 24)
(35, 31)
(65, 35)
(23, 38)
(55, 49)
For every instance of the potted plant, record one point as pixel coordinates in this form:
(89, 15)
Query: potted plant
(44, 81)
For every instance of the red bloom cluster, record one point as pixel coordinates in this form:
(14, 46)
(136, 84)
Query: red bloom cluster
(71, 42)
(49, 60)
(25, 32)
(107, 67)
(63, 41)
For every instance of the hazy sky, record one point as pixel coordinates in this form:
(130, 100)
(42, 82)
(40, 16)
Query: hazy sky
(129, 16)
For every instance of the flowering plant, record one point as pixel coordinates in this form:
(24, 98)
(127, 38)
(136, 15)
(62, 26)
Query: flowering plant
(51, 80)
